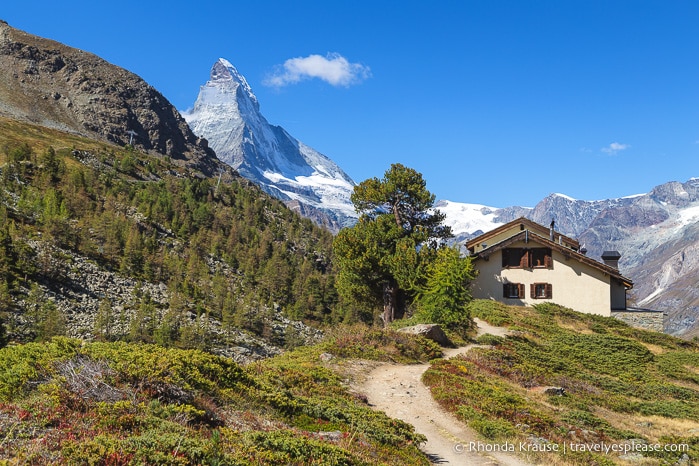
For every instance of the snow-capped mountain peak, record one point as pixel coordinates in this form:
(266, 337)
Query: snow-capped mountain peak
(223, 72)
(227, 114)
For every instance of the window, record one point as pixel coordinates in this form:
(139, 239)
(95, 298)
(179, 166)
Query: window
(523, 258)
(540, 257)
(541, 291)
(513, 290)
(515, 258)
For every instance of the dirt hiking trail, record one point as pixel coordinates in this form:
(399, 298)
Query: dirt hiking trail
(397, 390)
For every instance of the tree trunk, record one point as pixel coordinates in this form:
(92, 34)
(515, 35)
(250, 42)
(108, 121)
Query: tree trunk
(396, 215)
(390, 302)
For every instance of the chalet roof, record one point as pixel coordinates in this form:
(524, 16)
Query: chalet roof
(527, 225)
(528, 235)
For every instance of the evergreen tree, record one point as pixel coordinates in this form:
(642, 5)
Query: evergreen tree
(143, 322)
(105, 321)
(52, 166)
(51, 322)
(381, 259)
(5, 304)
(446, 291)
(3, 333)
(168, 330)
(8, 257)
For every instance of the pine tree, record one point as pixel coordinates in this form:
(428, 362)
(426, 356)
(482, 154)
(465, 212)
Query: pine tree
(381, 259)
(3, 332)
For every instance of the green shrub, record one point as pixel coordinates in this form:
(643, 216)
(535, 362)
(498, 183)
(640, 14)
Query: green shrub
(493, 312)
(21, 367)
(489, 339)
(493, 429)
(283, 447)
(667, 408)
(608, 354)
(587, 420)
(380, 344)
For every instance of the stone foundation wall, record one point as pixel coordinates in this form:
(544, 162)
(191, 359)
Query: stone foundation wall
(642, 318)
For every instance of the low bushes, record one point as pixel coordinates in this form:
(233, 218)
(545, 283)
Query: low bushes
(118, 403)
(601, 364)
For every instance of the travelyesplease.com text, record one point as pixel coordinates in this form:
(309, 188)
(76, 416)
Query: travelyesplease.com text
(602, 447)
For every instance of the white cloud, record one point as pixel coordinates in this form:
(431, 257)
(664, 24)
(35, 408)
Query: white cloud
(615, 147)
(332, 68)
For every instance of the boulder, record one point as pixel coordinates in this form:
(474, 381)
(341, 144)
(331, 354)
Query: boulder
(432, 331)
(555, 391)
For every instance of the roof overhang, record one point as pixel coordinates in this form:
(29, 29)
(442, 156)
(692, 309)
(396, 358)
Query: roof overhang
(530, 236)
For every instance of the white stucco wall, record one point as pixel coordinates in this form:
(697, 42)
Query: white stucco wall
(574, 284)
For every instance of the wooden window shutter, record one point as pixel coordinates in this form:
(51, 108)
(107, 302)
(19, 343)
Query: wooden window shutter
(549, 291)
(524, 259)
(532, 290)
(520, 290)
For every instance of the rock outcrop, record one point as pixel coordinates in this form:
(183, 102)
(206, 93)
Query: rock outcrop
(430, 331)
(50, 84)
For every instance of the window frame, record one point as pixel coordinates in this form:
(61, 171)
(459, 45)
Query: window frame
(508, 288)
(547, 289)
(515, 258)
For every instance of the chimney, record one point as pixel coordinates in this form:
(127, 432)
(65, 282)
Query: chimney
(611, 258)
(551, 228)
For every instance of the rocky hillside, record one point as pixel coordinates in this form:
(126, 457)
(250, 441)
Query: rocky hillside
(47, 83)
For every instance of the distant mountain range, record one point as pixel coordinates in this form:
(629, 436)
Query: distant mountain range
(227, 114)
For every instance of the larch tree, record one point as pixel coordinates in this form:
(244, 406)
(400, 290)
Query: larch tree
(382, 259)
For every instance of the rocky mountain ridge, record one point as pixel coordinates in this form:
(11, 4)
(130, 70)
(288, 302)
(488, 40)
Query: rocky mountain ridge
(53, 85)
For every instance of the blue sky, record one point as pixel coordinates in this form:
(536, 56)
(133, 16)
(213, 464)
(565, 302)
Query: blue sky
(494, 102)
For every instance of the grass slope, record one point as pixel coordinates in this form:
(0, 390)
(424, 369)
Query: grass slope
(70, 402)
(622, 386)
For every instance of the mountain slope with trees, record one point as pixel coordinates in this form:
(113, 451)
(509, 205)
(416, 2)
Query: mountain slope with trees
(112, 243)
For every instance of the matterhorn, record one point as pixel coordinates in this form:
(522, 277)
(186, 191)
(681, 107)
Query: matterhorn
(227, 114)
